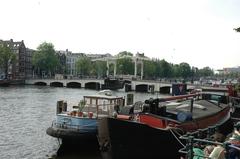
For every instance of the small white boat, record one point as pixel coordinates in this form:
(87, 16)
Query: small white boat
(106, 92)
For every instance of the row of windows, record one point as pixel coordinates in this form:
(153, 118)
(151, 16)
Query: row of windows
(71, 59)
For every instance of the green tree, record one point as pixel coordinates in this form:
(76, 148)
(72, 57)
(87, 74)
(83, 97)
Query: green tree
(206, 71)
(45, 58)
(7, 57)
(124, 53)
(165, 69)
(157, 68)
(185, 70)
(125, 66)
(149, 69)
(176, 71)
(84, 66)
(100, 68)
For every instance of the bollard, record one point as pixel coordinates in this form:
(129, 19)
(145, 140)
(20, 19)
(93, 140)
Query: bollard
(191, 105)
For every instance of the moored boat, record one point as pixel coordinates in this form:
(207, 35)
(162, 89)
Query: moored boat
(155, 131)
(79, 125)
(4, 83)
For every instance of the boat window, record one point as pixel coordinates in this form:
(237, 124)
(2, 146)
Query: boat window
(215, 97)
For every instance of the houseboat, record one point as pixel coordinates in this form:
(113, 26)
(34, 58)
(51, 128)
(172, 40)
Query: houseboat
(78, 126)
(155, 131)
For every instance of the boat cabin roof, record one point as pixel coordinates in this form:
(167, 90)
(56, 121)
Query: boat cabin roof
(99, 96)
(201, 108)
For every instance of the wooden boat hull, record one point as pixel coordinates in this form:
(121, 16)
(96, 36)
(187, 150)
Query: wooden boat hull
(128, 139)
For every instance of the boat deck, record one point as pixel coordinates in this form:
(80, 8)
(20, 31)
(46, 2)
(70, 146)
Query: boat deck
(201, 108)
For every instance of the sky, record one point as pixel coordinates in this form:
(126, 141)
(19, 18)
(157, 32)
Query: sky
(199, 32)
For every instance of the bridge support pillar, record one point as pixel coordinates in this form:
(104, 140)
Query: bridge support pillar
(141, 70)
(107, 68)
(115, 67)
(135, 68)
(137, 61)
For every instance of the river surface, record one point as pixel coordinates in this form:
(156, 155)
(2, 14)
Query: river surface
(27, 111)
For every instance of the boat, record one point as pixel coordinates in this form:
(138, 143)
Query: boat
(4, 82)
(114, 83)
(154, 132)
(7, 82)
(79, 125)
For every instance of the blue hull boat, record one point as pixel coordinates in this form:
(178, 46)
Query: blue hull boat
(80, 124)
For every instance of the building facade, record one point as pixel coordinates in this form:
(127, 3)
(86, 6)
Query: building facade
(22, 67)
(98, 56)
(61, 55)
(28, 63)
(231, 70)
(71, 59)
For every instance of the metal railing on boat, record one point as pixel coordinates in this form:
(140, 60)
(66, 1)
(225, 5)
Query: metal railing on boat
(195, 138)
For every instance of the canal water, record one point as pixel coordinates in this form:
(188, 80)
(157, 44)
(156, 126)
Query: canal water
(27, 111)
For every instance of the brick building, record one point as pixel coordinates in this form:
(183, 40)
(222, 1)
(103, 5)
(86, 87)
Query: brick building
(22, 68)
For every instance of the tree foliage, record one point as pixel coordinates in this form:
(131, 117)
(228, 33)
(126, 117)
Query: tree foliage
(99, 68)
(7, 57)
(83, 66)
(176, 71)
(165, 69)
(154, 69)
(125, 66)
(185, 69)
(45, 58)
(149, 69)
(124, 53)
(206, 71)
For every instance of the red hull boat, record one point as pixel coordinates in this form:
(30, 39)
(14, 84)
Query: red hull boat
(155, 131)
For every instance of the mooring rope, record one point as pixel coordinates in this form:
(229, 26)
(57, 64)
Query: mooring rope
(178, 132)
(176, 137)
(59, 144)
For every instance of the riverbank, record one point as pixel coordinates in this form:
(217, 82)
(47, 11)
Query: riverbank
(12, 82)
